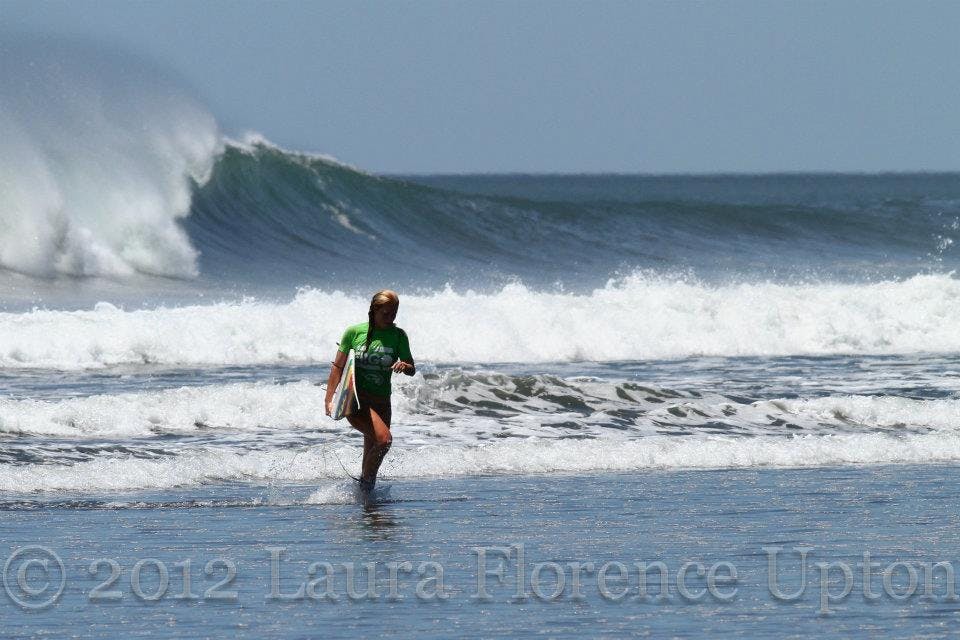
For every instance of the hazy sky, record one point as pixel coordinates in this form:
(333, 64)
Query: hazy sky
(559, 86)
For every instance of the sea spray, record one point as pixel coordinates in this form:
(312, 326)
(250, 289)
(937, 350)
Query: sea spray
(94, 185)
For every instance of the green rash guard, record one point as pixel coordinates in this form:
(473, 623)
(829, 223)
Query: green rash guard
(374, 368)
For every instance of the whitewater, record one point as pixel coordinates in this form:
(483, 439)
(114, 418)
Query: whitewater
(170, 297)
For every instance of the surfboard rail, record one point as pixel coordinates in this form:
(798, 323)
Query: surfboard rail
(345, 398)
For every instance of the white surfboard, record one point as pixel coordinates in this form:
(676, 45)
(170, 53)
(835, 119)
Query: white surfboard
(345, 398)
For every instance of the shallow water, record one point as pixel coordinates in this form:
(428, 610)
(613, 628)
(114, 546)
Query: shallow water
(896, 514)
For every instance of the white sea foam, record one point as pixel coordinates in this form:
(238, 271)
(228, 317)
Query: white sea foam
(636, 318)
(345, 492)
(334, 493)
(876, 411)
(232, 407)
(290, 408)
(239, 408)
(250, 141)
(98, 152)
(435, 440)
(515, 457)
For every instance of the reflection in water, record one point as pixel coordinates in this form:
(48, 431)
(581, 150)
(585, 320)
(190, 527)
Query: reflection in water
(378, 519)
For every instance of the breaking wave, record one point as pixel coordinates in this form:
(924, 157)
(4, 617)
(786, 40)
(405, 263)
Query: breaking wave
(637, 318)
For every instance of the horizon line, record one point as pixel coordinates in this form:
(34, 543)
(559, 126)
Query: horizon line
(670, 174)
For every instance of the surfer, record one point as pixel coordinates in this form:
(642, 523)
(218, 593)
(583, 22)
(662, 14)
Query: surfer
(381, 348)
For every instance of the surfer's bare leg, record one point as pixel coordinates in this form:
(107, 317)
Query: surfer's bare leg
(376, 440)
(376, 445)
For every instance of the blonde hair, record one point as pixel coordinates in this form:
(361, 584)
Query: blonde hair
(381, 298)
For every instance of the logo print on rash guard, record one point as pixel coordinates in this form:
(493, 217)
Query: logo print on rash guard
(371, 364)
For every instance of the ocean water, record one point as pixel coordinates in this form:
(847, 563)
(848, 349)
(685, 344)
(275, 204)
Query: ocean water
(253, 561)
(611, 369)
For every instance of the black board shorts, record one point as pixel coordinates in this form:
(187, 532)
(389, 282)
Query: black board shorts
(380, 404)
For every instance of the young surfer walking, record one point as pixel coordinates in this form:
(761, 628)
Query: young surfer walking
(381, 348)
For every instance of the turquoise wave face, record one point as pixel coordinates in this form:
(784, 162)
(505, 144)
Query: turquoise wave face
(274, 217)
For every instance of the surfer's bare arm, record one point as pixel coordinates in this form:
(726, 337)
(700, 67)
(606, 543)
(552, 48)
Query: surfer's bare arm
(404, 367)
(336, 370)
